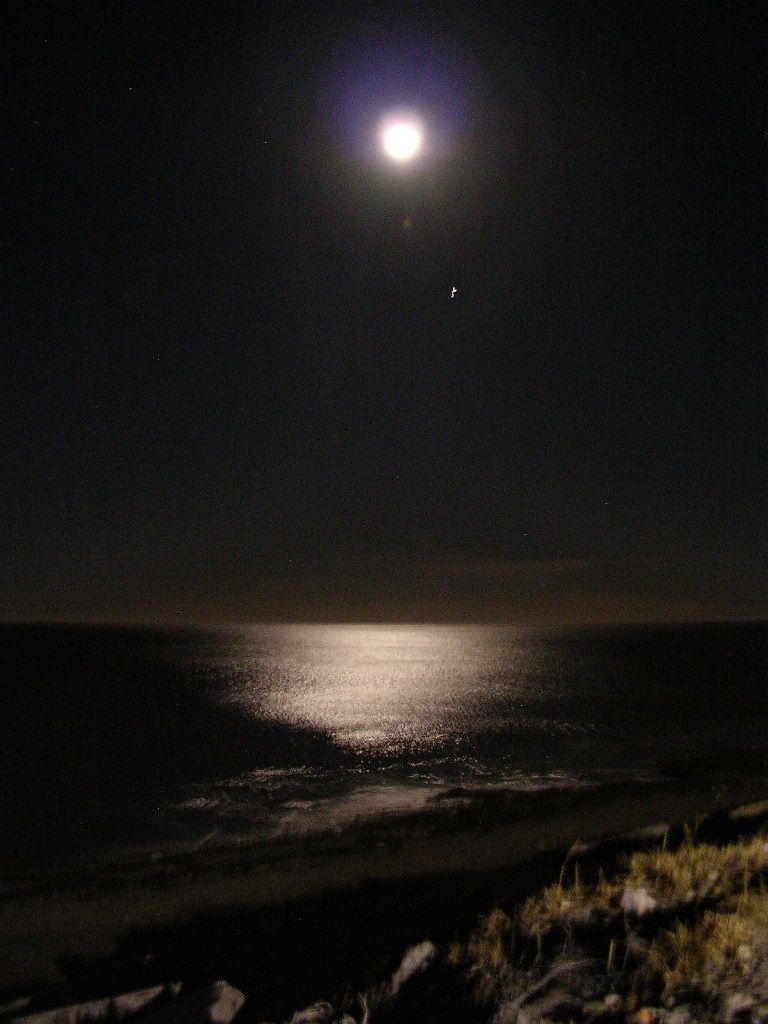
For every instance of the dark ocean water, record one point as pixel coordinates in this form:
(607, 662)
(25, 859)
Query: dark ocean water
(122, 738)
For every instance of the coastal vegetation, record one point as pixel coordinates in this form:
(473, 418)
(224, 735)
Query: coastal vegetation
(669, 935)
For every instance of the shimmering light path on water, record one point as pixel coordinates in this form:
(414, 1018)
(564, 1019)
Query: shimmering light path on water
(124, 736)
(391, 690)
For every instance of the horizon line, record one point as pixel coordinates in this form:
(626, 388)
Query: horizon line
(389, 623)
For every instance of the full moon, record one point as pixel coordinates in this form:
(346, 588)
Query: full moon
(401, 138)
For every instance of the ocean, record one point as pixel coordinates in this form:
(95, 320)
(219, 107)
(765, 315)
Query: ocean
(125, 740)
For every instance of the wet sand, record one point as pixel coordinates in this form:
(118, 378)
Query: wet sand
(334, 908)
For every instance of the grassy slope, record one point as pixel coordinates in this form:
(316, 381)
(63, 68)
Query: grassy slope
(688, 925)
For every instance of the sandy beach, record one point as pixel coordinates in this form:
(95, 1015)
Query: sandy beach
(269, 908)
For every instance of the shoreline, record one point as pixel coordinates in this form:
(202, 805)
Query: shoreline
(455, 808)
(438, 870)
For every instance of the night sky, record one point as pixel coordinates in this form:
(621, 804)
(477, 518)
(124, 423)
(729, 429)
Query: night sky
(235, 386)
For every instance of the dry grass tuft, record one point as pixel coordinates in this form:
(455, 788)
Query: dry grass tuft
(698, 873)
(489, 949)
(717, 945)
(719, 953)
(561, 909)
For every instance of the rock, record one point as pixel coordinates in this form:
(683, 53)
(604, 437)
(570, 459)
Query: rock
(227, 1002)
(415, 960)
(567, 977)
(120, 1006)
(679, 1015)
(93, 1010)
(737, 1006)
(218, 1004)
(362, 1002)
(15, 1006)
(638, 902)
(131, 1002)
(756, 812)
(318, 1013)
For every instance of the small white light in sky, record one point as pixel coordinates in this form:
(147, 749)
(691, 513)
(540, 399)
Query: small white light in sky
(453, 292)
(401, 137)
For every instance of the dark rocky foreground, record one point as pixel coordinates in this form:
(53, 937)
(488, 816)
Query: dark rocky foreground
(659, 926)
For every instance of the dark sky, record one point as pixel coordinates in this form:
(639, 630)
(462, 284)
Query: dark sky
(235, 386)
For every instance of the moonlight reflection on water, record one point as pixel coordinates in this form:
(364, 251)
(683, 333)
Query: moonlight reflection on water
(389, 689)
(259, 730)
